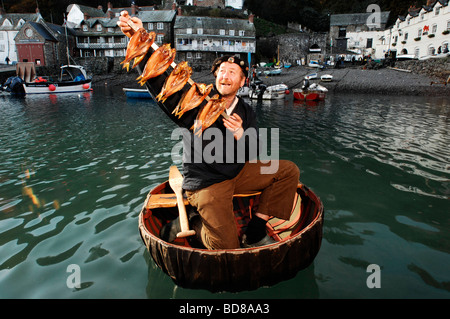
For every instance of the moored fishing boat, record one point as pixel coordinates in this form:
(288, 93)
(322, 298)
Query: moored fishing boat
(314, 92)
(298, 242)
(326, 78)
(72, 79)
(137, 93)
(273, 92)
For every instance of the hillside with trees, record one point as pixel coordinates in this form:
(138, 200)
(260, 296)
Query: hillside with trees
(314, 14)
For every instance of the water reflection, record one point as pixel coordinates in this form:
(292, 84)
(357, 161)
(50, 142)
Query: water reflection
(75, 170)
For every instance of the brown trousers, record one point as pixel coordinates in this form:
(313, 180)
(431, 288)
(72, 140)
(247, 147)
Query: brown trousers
(215, 203)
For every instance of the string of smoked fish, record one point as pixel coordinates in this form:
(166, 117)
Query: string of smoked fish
(155, 47)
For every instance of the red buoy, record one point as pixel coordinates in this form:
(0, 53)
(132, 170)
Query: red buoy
(51, 87)
(86, 86)
(287, 92)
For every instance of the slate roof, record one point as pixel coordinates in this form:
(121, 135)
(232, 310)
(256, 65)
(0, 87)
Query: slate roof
(157, 16)
(14, 18)
(43, 31)
(355, 18)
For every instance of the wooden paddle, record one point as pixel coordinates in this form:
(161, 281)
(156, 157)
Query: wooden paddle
(175, 181)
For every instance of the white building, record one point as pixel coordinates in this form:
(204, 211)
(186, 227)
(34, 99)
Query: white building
(10, 25)
(237, 4)
(424, 32)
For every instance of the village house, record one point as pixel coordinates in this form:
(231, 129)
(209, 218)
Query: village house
(356, 32)
(10, 25)
(423, 32)
(237, 4)
(200, 40)
(43, 43)
(100, 35)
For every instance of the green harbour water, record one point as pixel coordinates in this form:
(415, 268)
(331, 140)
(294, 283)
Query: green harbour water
(75, 171)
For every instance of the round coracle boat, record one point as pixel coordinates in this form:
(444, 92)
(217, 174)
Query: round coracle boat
(297, 243)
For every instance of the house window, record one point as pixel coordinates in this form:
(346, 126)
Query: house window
(160, 26)
(199, 31)
(431, 50)
(85, 28)
(228, 21)
(189, 55)
(160, 38)
(416, 53)
(434, 28)
(408, 21)
(222, 32)
(241, 33)
(437, 10)
(342, 32)
(422, 16)
(111, 30)
(406, 36)
(231, 32)
(369, 43)
(448, 25)
(419, 32)
(189, 30)
(2, 48)
(99, 27)
(198, 55)
(150, 26)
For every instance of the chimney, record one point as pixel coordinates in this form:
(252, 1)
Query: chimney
(37, 10)
(133, 9)
(412, 9)
(174, 6)
(179, 11)
(110, 6)
(250, 18)
(2, 12)
(86, 16)
(100, 7)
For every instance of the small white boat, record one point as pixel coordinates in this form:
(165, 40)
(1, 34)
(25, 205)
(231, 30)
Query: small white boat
(402, 57)
(326, 78)
(315, 92)
(314, 64)
(275, 71)
(243, 91)
(273, 92)
(73, 78)
(311, 76)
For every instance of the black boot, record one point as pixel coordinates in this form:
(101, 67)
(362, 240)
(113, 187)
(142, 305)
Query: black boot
(170, 230)
(256, 234)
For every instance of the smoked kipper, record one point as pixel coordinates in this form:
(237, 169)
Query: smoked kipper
(137, 48)
(158, 63)
(175, 81)
(192, 98)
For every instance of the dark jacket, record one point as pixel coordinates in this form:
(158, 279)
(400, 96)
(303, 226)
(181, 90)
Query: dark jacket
(222, 156)
(218, 164)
